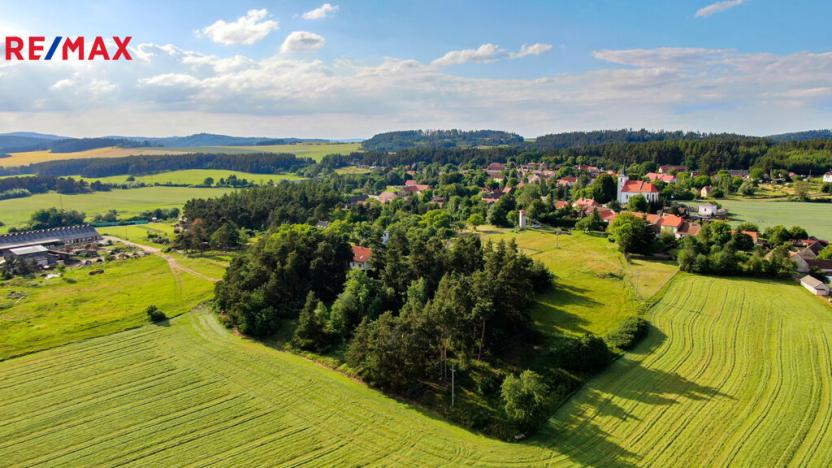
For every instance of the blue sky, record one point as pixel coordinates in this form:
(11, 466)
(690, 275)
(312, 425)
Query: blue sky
(353, 68)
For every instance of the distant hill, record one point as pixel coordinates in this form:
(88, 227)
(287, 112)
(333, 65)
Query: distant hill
(397, 141)
(600, 137)
(211, 139)
(10, 143)
(803, 136)
(83, 144)
(40, 136)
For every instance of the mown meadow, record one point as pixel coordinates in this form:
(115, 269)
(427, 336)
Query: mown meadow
(728, 376)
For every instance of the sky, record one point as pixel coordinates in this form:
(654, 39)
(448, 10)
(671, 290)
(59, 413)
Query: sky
(350, 69)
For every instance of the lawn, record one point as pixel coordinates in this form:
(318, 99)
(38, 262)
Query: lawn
(138, 233)
(42, 313)
(729, 376)
(16, 212)
(196, 177)
(596, 287)
(816, 218)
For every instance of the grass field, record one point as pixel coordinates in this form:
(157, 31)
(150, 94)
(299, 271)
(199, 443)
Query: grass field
(595, 285)
(730, 376)
(138, 233)
(43, 313)
(196, 177)
(315, 151)
(816, 218)
(16, 212)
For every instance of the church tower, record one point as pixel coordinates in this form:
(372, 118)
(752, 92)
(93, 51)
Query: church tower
(622, 179)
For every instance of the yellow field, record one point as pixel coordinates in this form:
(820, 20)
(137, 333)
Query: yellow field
(734, 373)
(31, 157)
(315, 151)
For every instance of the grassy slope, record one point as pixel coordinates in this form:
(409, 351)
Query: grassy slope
(730, 378)
(731, 375)
(79, 306)
(595, 285)
(196, 177)
(31, 157)
(138, 233)
(816, 218)
(16, 212)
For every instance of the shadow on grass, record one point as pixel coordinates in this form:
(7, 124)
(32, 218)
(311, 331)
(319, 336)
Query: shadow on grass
(550, 311)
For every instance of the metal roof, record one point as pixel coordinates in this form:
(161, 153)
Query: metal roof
(29, 250)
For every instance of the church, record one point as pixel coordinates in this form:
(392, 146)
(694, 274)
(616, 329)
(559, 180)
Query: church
(629, 188)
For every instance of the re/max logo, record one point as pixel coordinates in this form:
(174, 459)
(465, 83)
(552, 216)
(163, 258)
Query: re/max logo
(33, 47)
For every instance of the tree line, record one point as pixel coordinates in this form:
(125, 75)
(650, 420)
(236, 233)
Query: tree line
(261, 163)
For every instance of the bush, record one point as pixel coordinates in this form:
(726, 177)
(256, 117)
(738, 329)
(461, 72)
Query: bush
(629, 333)
(154, 314)
(526, 400)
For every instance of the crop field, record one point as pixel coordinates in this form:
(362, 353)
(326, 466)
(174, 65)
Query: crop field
(816, 218)
(730, 376)
(195, 177)
(31, 157)
(736, 372)
(42, 313)
(596, 287)
(16, 212)
(315, 151)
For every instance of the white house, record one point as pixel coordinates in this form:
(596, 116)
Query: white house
(815, 286)
(629, 188)
(827, 178)
(708, 210)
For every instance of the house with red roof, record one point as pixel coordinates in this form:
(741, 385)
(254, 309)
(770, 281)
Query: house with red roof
(361, 257)
(628, 189)
(666, 178)
(668, 168)
(386, 197)
(567, 181)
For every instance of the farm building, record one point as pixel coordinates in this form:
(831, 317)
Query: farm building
(827, 178)
(361, 257)
(814, 285)
(35, 256)
(50, 238)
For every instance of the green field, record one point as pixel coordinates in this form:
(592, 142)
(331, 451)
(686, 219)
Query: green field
(42, 313)
(816, 218)
(16, 212)
(138, 233)
(195, 177)
(595, 285)
(731, 375)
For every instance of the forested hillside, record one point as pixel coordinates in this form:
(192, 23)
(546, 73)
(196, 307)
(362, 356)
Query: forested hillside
(397, 141)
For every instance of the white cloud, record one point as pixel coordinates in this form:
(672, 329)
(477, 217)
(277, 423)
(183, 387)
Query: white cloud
(171, 80)
(62, 84)
(302, 41)
(534, 49)
(247, 30)
(489, 53)
(327, 9)
(717, 7)
(172, 90)
(484, 53)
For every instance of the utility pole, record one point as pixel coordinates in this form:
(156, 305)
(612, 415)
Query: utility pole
(453, 395)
